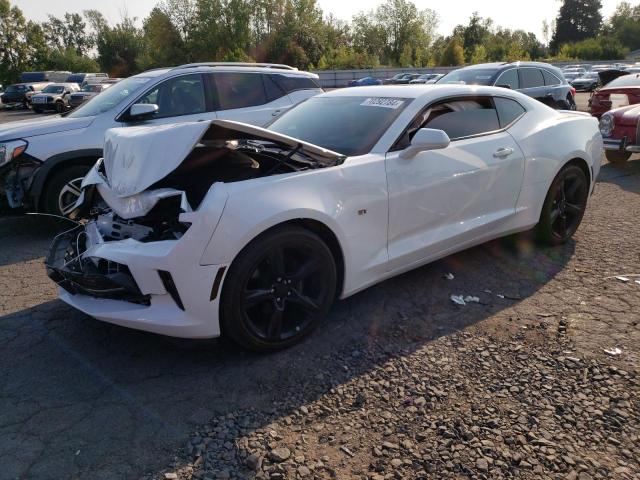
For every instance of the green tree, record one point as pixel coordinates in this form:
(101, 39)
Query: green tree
(406, 57)
(69, 32)
(453, 54)
(163, 44)
(577, 20)
(479, 54)
(120, 48)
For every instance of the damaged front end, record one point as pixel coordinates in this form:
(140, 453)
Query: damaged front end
(149, 208)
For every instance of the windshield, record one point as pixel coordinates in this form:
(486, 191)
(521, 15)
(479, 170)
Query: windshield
(347, 125)
(92, 87)
(53, 89)
(470, 76)
(631, 80)
(110, 97)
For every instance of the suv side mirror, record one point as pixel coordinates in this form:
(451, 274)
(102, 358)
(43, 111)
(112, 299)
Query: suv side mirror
(142, 111)
(426, 139)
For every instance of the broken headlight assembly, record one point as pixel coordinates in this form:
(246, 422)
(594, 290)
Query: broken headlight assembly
(11, 150)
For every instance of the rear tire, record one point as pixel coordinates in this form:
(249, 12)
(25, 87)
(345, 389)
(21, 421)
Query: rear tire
(571, 102)
(60, 107)
(278, 289)
(62, 190)
(563, 207)
(617, 156)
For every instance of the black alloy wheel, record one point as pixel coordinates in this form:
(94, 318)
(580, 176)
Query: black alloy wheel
(278, 290)
(564, 206)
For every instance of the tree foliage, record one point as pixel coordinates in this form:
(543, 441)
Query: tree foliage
(297, 32)
(577, 20)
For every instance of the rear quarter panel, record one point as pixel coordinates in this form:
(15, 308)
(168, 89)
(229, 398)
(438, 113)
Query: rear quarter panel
(550, 139)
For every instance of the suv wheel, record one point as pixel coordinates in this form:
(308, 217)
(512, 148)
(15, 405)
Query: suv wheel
(60, 107)
(571, 102)
(63, 189)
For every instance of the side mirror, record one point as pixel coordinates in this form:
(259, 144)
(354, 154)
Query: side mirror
(426, 139)
(142, 111)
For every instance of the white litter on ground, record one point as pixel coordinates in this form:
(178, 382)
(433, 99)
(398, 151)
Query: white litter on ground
(458, 300)
(449, 276)
(622, 278)
(614, 352)
(470, 299)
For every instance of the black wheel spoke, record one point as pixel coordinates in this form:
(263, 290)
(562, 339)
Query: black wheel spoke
(311, 265)
(573, 188)
(573, 208)
(274, 328)
(555, 213)
(276, 259)
(304, 301)
(254, 297)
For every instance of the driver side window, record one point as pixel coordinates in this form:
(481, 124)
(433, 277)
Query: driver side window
(177, 96)
(463, 117)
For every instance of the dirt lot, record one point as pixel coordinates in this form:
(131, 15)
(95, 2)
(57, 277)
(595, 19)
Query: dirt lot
(400, 382)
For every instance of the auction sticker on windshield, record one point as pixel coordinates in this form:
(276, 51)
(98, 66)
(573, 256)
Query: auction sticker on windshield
(383, 102)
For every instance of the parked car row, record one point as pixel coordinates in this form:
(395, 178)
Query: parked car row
(59, 85)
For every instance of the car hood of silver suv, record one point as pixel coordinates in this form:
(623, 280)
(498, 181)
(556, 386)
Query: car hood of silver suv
(31, 128)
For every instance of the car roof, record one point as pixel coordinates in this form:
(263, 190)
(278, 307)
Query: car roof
(427, 93)
(204, 68)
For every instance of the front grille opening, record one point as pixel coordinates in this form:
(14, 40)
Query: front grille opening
(170, 286)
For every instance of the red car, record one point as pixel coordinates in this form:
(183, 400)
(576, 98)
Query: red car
(620, 129)
(621, 91)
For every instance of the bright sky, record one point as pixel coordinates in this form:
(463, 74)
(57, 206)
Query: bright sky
(525, 14)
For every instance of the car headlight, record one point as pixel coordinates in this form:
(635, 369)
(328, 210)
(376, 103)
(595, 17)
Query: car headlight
(606, 125)
(11, 150)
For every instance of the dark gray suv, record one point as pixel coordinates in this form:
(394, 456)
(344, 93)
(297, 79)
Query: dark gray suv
(541, 81)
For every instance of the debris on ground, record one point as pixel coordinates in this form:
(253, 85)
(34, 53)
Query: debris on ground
(449, 276)
(614, 352)
(622, 278)
(458, 299)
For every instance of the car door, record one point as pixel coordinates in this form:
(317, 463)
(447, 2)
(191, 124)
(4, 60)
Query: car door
(442, 199)
(179, 99)
(247, 97)
(555, 89)
(532, 84)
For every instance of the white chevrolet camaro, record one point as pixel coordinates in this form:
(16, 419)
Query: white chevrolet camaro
(197, 229)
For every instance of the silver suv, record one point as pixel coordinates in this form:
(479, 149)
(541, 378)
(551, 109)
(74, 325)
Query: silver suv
(42, 162)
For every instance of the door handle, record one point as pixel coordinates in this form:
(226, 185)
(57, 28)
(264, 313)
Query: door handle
(276, 113)
(503, 152)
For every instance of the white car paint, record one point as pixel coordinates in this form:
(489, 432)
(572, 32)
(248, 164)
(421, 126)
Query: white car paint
(388, 214)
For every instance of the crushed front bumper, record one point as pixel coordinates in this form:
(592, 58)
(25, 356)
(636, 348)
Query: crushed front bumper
(82, 275)
(158, 286)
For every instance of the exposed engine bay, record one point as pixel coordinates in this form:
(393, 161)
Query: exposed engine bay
(147, 180)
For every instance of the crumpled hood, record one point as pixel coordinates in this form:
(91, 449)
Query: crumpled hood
(137, 157)
(31, 128)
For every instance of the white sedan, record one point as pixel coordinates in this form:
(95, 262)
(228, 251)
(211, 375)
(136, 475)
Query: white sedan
(208, 228)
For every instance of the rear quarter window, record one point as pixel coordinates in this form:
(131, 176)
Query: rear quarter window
(550, 79)
(293, 83)
(531, 78)
(508, 111)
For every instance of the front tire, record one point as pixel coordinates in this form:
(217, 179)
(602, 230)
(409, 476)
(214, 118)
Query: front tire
(278, 289)
(617, 156)
(63, 189)
(564, 206)
(60, 107)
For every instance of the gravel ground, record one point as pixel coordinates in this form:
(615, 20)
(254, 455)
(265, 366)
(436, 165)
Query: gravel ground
(399, 383)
